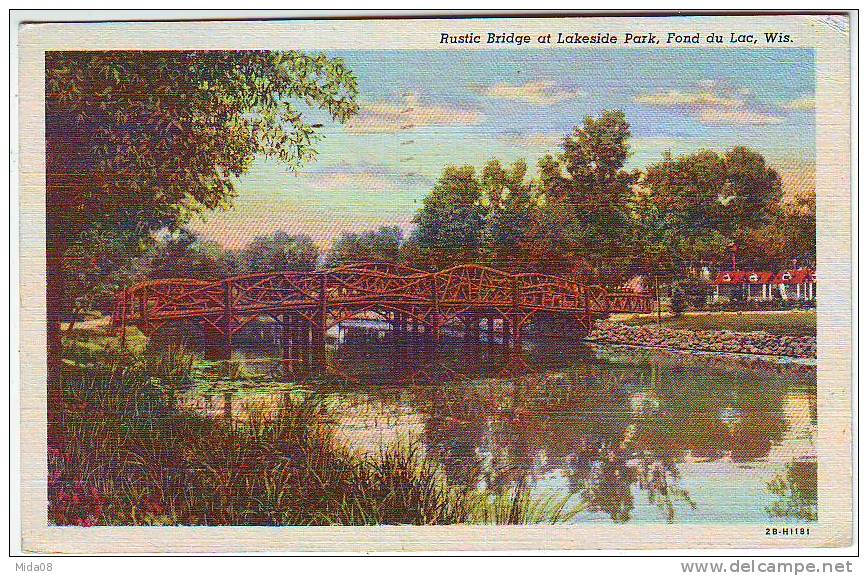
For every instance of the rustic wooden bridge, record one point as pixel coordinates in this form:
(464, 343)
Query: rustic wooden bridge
(417, 304)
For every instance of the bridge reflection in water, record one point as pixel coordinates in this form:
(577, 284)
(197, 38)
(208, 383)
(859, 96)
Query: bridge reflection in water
(428, 307)
(632, 435)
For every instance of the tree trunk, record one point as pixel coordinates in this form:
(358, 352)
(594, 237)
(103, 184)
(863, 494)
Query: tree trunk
(54, 313)
(60, 179)
(73, 318)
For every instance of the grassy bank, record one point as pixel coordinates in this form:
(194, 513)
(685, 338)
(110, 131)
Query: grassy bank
(791, 323)
(129, 455)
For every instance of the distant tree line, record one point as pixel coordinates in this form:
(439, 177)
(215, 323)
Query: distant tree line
(583, 208)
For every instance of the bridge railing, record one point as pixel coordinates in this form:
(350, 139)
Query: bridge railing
(356, 285)
(636, 302)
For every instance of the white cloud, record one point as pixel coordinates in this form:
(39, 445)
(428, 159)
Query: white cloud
(536, 92)
(391, 117)
(713, 105)
(702, 99)
(739, 117)
(804, 104)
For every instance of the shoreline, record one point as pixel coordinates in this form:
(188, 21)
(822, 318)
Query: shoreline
(770, 358)
(758, 344)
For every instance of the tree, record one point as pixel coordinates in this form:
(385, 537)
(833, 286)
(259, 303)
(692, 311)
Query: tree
(380, 245)
(589, 189)
(449, 224)
(693, 207)
(790, 234)
(411, 254)
(682, 215)
(544, 246)
(94, 270)
(800, 222)
(278, 253)
(507, 197)
(138, 141)
(182, 254)
(753, 190)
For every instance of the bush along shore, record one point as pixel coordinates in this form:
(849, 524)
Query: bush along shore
(656, 336)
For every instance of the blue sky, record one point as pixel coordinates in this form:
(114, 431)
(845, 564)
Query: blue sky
(423, 110)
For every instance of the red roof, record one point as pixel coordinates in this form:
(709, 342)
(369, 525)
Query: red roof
(742, 277)
(754, 277)
(805, 275)
(728, 278)
(735, 277)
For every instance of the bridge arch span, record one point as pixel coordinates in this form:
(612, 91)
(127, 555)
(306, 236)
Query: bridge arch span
(324, 298)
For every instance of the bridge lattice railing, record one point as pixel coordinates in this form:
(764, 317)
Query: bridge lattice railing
(357, 285)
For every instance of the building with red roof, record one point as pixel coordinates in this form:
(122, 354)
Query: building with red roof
(747, 284)
(763, 285)
(800, 284)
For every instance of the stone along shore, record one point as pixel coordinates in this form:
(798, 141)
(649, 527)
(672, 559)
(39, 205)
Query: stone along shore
(652, 335)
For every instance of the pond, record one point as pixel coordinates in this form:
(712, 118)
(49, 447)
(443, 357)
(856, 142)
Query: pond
(631, 435)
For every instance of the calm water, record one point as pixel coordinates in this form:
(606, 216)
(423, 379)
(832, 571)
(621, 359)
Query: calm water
(633, 435)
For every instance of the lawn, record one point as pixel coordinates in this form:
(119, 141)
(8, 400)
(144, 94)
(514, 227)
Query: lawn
(792, 323)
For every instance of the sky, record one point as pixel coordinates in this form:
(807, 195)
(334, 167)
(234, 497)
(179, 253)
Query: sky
(421, 111)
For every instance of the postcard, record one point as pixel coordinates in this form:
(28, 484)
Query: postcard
(493, 283)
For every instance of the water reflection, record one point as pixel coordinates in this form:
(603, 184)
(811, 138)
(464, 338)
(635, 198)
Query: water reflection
(796, 489)
(635, 436)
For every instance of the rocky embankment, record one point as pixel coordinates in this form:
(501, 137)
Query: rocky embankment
(652, 335)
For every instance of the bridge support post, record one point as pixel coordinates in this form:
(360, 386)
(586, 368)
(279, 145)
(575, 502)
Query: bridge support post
(319, 325)
(395, 323)
(403, 323)
(435, 313)
(514, 322)
(471, 328)
(218, 346)
(299, 340)
(286, 344)
(227, 320)
(516, 331)
(307, 341)
(413, 335)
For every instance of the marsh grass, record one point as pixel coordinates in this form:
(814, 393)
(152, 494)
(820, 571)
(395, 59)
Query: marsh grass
(518, 506)
(128, 455)
(170, 366)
